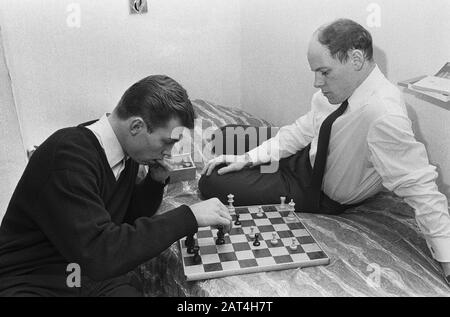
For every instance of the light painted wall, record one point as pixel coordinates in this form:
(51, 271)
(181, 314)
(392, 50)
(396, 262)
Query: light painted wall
(63, 76)
(276, 81)
(12, 154)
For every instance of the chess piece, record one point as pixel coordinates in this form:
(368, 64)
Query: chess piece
(220, 236)
(283, 202)
(256, 243)
(252, 233)
(196, 258)
(190, 243)
(293, 245)
(291, 215)
(260, 212)
(230, 202)
(274, 240)
(237, 222)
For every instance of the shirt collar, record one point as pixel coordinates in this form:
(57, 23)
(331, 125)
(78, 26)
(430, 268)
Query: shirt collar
(108, 140)
(359, 96)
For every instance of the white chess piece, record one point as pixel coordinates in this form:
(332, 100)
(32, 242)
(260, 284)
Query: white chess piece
(283, 202)
(260, 212)
(252, 232)
(293, 246)
(230, 202)
(291, 215)
(274, 240)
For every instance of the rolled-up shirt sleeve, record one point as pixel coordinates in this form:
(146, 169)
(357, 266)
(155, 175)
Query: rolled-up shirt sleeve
(287, 141)
(403, 165)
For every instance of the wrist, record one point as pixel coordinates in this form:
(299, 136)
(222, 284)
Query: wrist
(248, 160)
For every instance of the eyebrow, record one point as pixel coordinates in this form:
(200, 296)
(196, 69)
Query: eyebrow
(321, 68)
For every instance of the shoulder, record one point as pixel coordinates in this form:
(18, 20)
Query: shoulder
(387, 100)
(74, 148)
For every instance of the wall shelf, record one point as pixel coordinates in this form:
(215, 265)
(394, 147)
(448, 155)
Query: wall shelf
(408, 85)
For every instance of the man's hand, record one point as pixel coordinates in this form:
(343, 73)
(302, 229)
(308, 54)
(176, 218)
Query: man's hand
(159, 171)
(212, 212)
(446, 269)
(235, 163)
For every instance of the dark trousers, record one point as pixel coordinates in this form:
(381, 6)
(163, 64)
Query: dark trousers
(55, 286)
(252, 187)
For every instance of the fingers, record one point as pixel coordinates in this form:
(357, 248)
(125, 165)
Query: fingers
(226, 169)
(211, 165)
(164, 165)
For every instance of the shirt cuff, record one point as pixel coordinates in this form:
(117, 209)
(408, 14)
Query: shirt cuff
(440, 248)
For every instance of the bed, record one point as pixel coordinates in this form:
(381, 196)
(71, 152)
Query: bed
(375, 249)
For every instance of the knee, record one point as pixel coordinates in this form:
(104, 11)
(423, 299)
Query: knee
(206, 185)
(210, 186)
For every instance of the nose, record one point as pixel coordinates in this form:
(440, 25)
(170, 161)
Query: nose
(318, 80)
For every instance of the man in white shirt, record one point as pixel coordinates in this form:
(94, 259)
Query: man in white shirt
(371, 144)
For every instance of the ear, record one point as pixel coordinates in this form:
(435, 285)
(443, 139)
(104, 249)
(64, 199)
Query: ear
(136, 125)
(357, 59)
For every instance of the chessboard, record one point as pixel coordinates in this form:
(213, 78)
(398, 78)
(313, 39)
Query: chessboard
(283, 243)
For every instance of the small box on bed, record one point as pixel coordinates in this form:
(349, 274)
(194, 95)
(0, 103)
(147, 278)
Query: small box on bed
(183, 168)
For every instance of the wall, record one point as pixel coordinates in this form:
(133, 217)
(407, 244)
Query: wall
(12, 154)
(276, 78)
(66, 75)
(412, 40)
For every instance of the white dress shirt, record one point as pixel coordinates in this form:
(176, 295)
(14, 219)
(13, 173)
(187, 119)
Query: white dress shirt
(371, 145)
(108, 140)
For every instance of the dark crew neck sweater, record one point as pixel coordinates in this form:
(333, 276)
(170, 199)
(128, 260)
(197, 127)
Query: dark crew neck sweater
(69, 208)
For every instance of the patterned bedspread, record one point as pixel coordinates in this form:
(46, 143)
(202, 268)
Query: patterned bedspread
(375, 249)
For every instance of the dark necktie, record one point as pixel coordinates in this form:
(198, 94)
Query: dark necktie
(321, 156)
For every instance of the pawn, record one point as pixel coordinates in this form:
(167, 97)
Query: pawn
(260, 212)
(293, 245)
(256, 243)
(274, 240)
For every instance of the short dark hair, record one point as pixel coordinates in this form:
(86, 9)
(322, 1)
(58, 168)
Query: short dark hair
(343, 35)
(157, 99)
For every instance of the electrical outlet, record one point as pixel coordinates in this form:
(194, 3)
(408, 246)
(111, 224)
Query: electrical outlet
(138, 6)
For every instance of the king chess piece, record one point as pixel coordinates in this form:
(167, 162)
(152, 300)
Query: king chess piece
(230, 202)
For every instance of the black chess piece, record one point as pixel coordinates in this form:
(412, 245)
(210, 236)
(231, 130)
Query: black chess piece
(237, 222)
(220, 236)
(189, 242)
(196, 257)
(256, 243)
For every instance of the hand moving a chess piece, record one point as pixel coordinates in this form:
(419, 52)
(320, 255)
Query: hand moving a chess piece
(213, 213)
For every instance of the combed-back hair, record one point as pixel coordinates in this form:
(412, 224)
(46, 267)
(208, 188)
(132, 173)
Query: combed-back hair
(157, 99)
(343, 35)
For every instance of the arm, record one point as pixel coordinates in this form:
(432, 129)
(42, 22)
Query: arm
(403, 165)
(289, 140)
(73, 217)
(146, 199)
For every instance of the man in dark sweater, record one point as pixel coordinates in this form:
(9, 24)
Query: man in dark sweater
(78, 207)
